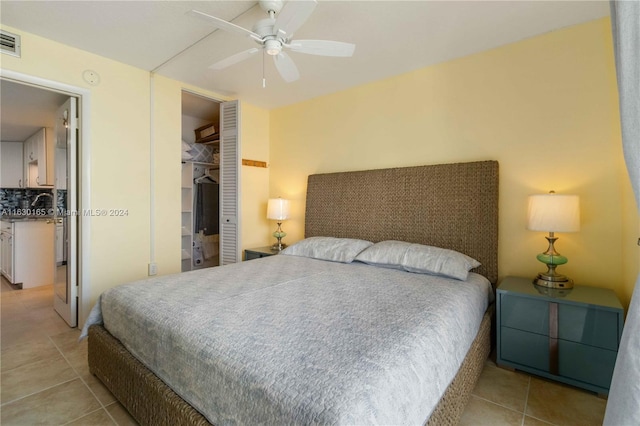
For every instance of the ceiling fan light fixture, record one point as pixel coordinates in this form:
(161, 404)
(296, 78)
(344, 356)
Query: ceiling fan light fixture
(273, 47)
(274, 33)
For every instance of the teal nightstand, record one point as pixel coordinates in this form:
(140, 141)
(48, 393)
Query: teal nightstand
(567, 335)
(257, 253)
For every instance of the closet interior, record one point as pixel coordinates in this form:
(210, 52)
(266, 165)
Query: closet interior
(200, 212)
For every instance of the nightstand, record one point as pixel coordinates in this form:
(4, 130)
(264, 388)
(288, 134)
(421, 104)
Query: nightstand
(257, 253)
(569, 335)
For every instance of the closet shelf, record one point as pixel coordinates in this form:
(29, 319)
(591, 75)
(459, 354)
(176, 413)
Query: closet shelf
(209, 140)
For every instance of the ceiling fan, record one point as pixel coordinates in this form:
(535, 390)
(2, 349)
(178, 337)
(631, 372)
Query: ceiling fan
(274, 34)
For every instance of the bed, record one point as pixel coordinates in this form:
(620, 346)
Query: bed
(451, 206)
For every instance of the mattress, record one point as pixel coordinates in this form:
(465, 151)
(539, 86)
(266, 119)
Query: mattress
(288, 339)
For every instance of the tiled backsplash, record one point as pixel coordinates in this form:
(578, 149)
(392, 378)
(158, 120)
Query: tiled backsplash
(12, 200)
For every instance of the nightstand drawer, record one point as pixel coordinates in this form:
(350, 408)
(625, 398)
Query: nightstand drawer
(525, 314)
(250, 255)
(258, 253)
(521, 347)
(591, 326)
(586, 363)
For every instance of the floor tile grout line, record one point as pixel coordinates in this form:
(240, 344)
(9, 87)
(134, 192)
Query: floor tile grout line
(87, 414)
(38, 391)
(109, 413)
(526, 401)
(102, 405)
(526, 398)
(498, 404)
(544, 421)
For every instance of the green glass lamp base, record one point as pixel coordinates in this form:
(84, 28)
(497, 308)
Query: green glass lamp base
(279, 235)
(551, 258)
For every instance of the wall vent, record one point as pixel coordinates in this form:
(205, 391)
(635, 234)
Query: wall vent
(10, 43)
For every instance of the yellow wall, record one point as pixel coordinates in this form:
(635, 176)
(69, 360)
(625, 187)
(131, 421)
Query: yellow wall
(167, 173)
(545, 108)
(120, 164)
(254, 128)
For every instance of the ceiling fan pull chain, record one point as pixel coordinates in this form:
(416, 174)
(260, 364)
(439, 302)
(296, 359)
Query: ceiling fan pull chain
(264, 80)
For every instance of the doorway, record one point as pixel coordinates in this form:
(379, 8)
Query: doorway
(39, 189)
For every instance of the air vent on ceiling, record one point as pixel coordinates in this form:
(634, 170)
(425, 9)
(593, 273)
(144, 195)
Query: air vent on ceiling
(10, 43)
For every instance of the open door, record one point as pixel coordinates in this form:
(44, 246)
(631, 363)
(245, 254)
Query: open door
(230, 182)
(65, 295)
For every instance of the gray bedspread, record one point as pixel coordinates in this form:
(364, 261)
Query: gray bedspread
(293, 340)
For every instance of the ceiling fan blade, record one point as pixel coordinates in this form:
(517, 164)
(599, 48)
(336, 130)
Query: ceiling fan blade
(323, 47)
(287, 69)
(224, 25)
(234, 59)
(292, 16)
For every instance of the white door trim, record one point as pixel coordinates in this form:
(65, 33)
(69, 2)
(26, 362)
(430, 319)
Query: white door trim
(84, 194)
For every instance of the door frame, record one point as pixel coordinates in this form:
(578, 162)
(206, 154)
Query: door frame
(83, 177)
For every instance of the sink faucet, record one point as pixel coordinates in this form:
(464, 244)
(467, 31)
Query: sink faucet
(44, 194)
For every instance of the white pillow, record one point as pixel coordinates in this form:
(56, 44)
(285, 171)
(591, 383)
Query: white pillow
(186, 147)
(342, 250)
(418, 258)
(386, 254)
(438, 261)
(186, 155)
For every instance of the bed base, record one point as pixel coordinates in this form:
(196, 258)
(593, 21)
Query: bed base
(151, 402)
(147, 398)
(454, 400)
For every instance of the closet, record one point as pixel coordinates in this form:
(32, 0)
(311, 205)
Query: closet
(200, 183)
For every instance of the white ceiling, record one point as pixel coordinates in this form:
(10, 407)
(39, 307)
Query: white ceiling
(391, 37)
(26, 109)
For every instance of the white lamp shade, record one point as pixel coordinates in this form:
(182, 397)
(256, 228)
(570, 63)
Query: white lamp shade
(554, 213)
(278, 209)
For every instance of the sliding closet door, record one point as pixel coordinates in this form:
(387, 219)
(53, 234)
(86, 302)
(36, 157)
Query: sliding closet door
(229, 182)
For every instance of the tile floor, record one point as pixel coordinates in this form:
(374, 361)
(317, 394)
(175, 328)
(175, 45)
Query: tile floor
(44, 374)
(45, 379)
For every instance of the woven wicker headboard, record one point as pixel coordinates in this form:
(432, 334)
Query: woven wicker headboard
(452, 206)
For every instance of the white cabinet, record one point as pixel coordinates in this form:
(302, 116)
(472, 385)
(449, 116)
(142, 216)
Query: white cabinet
(39, 151)
(6, 253)
(12, 166)
(30, 150)
(30, 156)
(28, 253)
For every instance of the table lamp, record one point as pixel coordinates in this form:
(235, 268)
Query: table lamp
(553, 213)
(278, 210)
